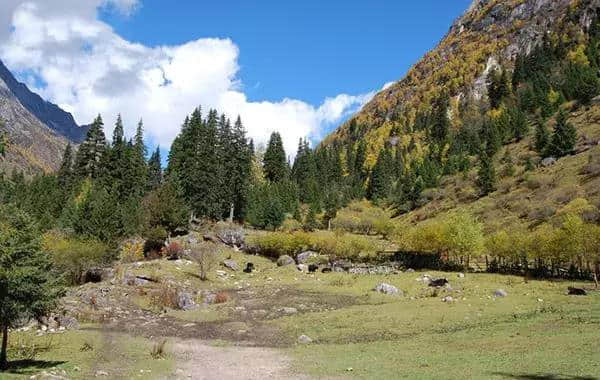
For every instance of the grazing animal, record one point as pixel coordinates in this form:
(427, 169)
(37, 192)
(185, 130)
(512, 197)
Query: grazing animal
(312, 268)
(577, 292)
(439, 282)
(249, 268)
(326, 270)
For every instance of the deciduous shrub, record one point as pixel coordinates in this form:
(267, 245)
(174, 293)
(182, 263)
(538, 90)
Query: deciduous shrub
(74, 256)
(206, 255)
(361, 217)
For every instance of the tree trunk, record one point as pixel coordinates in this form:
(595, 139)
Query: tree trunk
(231, 209)
(3, 361)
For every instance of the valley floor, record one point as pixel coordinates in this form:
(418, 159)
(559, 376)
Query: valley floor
(535, 332)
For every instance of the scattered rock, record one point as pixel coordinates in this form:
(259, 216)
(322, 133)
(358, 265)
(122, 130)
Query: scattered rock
(303, 339)
(230, 264)
(231, 237)
(500, 293)
(461, 275)
(289, 310)
(304, 257)
(387, 289)
(447, 299)
(51, 375)
(577, 291)
(285, 260)
(549, 161)
(302, 267)
(438, 282)
(342, 266)
(69, 323)
(185, 301)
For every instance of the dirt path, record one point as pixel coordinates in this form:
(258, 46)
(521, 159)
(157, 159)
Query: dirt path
(197, 360)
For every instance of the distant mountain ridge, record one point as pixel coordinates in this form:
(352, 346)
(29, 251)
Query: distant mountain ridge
(53, 116)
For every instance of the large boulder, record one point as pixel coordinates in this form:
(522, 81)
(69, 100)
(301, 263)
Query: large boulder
(285, 260)
(232, 237)
(388, 289)
(230, 264)
(305, 257)
(549, 161)
(185, 301)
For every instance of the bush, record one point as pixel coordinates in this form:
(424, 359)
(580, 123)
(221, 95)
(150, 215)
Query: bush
(206, 255)
(291, 225)
(174, 249)
(74, 256)
(361, 217)
(334, 245)
(155, 241)
(132, 250)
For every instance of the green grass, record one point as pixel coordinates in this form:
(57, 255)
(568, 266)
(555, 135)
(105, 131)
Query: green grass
(121, 356)
(536, 329)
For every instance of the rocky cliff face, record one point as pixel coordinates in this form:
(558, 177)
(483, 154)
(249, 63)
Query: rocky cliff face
(490, 33)
(48, 113)
(31, 145)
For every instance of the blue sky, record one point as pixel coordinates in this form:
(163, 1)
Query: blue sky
(305, 50)
(297, 67)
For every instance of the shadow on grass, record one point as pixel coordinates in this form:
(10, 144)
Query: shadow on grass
(28, 367)
(543, 376)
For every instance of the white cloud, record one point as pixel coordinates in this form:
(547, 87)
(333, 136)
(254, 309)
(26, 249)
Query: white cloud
(89, 69)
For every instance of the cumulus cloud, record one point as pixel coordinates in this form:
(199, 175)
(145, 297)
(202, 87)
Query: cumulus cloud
(88, 69)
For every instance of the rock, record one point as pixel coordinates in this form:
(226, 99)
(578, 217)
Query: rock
(211, 238)
(133, 280)
(302, 267)
(192, 240)
(343, 265)
(410, 270)
(549, 161)
(438, 282)
(231, 237)
(304, 257)
(230, 264)
(289, 310)
(51, 375)
(387, 289)
(210, 298)
(69, 323)
(461, 275)
(447, 299)
(96, 275)
(577, 292)
(285, 260)
(500, 293)
(303, 339)
(101, 373)
(185, 301)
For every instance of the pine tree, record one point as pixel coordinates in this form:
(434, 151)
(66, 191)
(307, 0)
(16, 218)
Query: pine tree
(239, 177)
(65, 172)
(440, 122)
(274, 161)
(154, 171)
(564, 137)
(138, 163)
(28, 288)
(380, 182)
(498, 88)
(91, 151)
(520, 124)
(486, 179)
(542, 136)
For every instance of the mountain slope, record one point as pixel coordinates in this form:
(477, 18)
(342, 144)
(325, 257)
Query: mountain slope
(48, 113)
(490, 32)
(31, 146)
